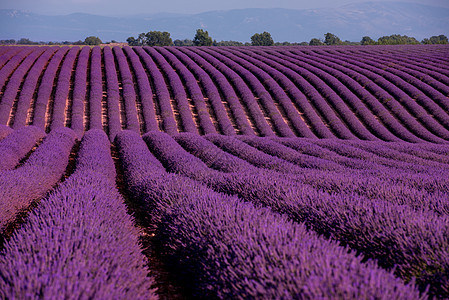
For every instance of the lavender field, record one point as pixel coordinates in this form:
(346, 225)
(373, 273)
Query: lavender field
(224, 172)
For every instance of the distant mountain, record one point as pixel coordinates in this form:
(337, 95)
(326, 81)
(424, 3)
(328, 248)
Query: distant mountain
(349, 22)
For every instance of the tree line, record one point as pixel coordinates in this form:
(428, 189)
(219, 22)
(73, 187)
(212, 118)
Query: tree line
(202, 38)
(90, 40)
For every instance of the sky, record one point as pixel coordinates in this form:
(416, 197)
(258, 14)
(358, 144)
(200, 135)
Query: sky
(133, 7)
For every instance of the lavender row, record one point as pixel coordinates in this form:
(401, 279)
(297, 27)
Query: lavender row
(214, 157)
(429, 63)
(425, 153)
(327, 113)
(341, 108)
(432, 100)
(366, 165)
(227, 91)
(113, 94)
(40, 118)
(79, 92)
(29, 86)
(247, 97)
(164, 109)
(371, 83)
(420, 191)
(437, 132)
(96, 91)
(194, 91)
(365, 114)
(410, 86)
(177, 89)
(8, 54)
(266, 101)
(386, 157)
(9, 96)
(382, 150)
(129, 93)
(415, 191)
(210, 91)
(347, 78)
(399, 188)
(5, 131)
(318, 95)
(429, 80)
(436, 78)
(395, 235)
(58, 111)
(301, 101)
(228, 248)
(13, 63)
(385, 99)
(145, 91)
(276, 83)
(96, 254)
(17, 144)
(349, 158)
(36, 176)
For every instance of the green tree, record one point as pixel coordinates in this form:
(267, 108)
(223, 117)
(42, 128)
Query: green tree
(262, 39)
(397, 39)
(332, 39)
(441, 39)
(228, 43)
(24, 41)
(92, 40)
(315, 42)
(202, 38)
(141, 39)
(158, 38)
(286, 44)
(184, 42)
(131, 41)
(366, 40)
(7, 42)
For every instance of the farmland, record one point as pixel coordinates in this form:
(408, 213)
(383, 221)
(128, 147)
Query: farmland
(224, 172)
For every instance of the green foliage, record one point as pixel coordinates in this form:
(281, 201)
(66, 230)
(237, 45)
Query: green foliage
(349, 43)
(262, 39)
(287, 44)
(184, 42)
(92, 40)
(24, 41)
(332, 39)
(441, 39)
(7, 42)
(397, 39)
(366, 40)
(158, 38)
(141, 39)
(151, 38)
(228, 43)
(131, 41)
(202, 38)
(315, 42)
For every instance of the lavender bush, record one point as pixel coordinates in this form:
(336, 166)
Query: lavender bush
(98, 255)
(211, 238)
(42, 170)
